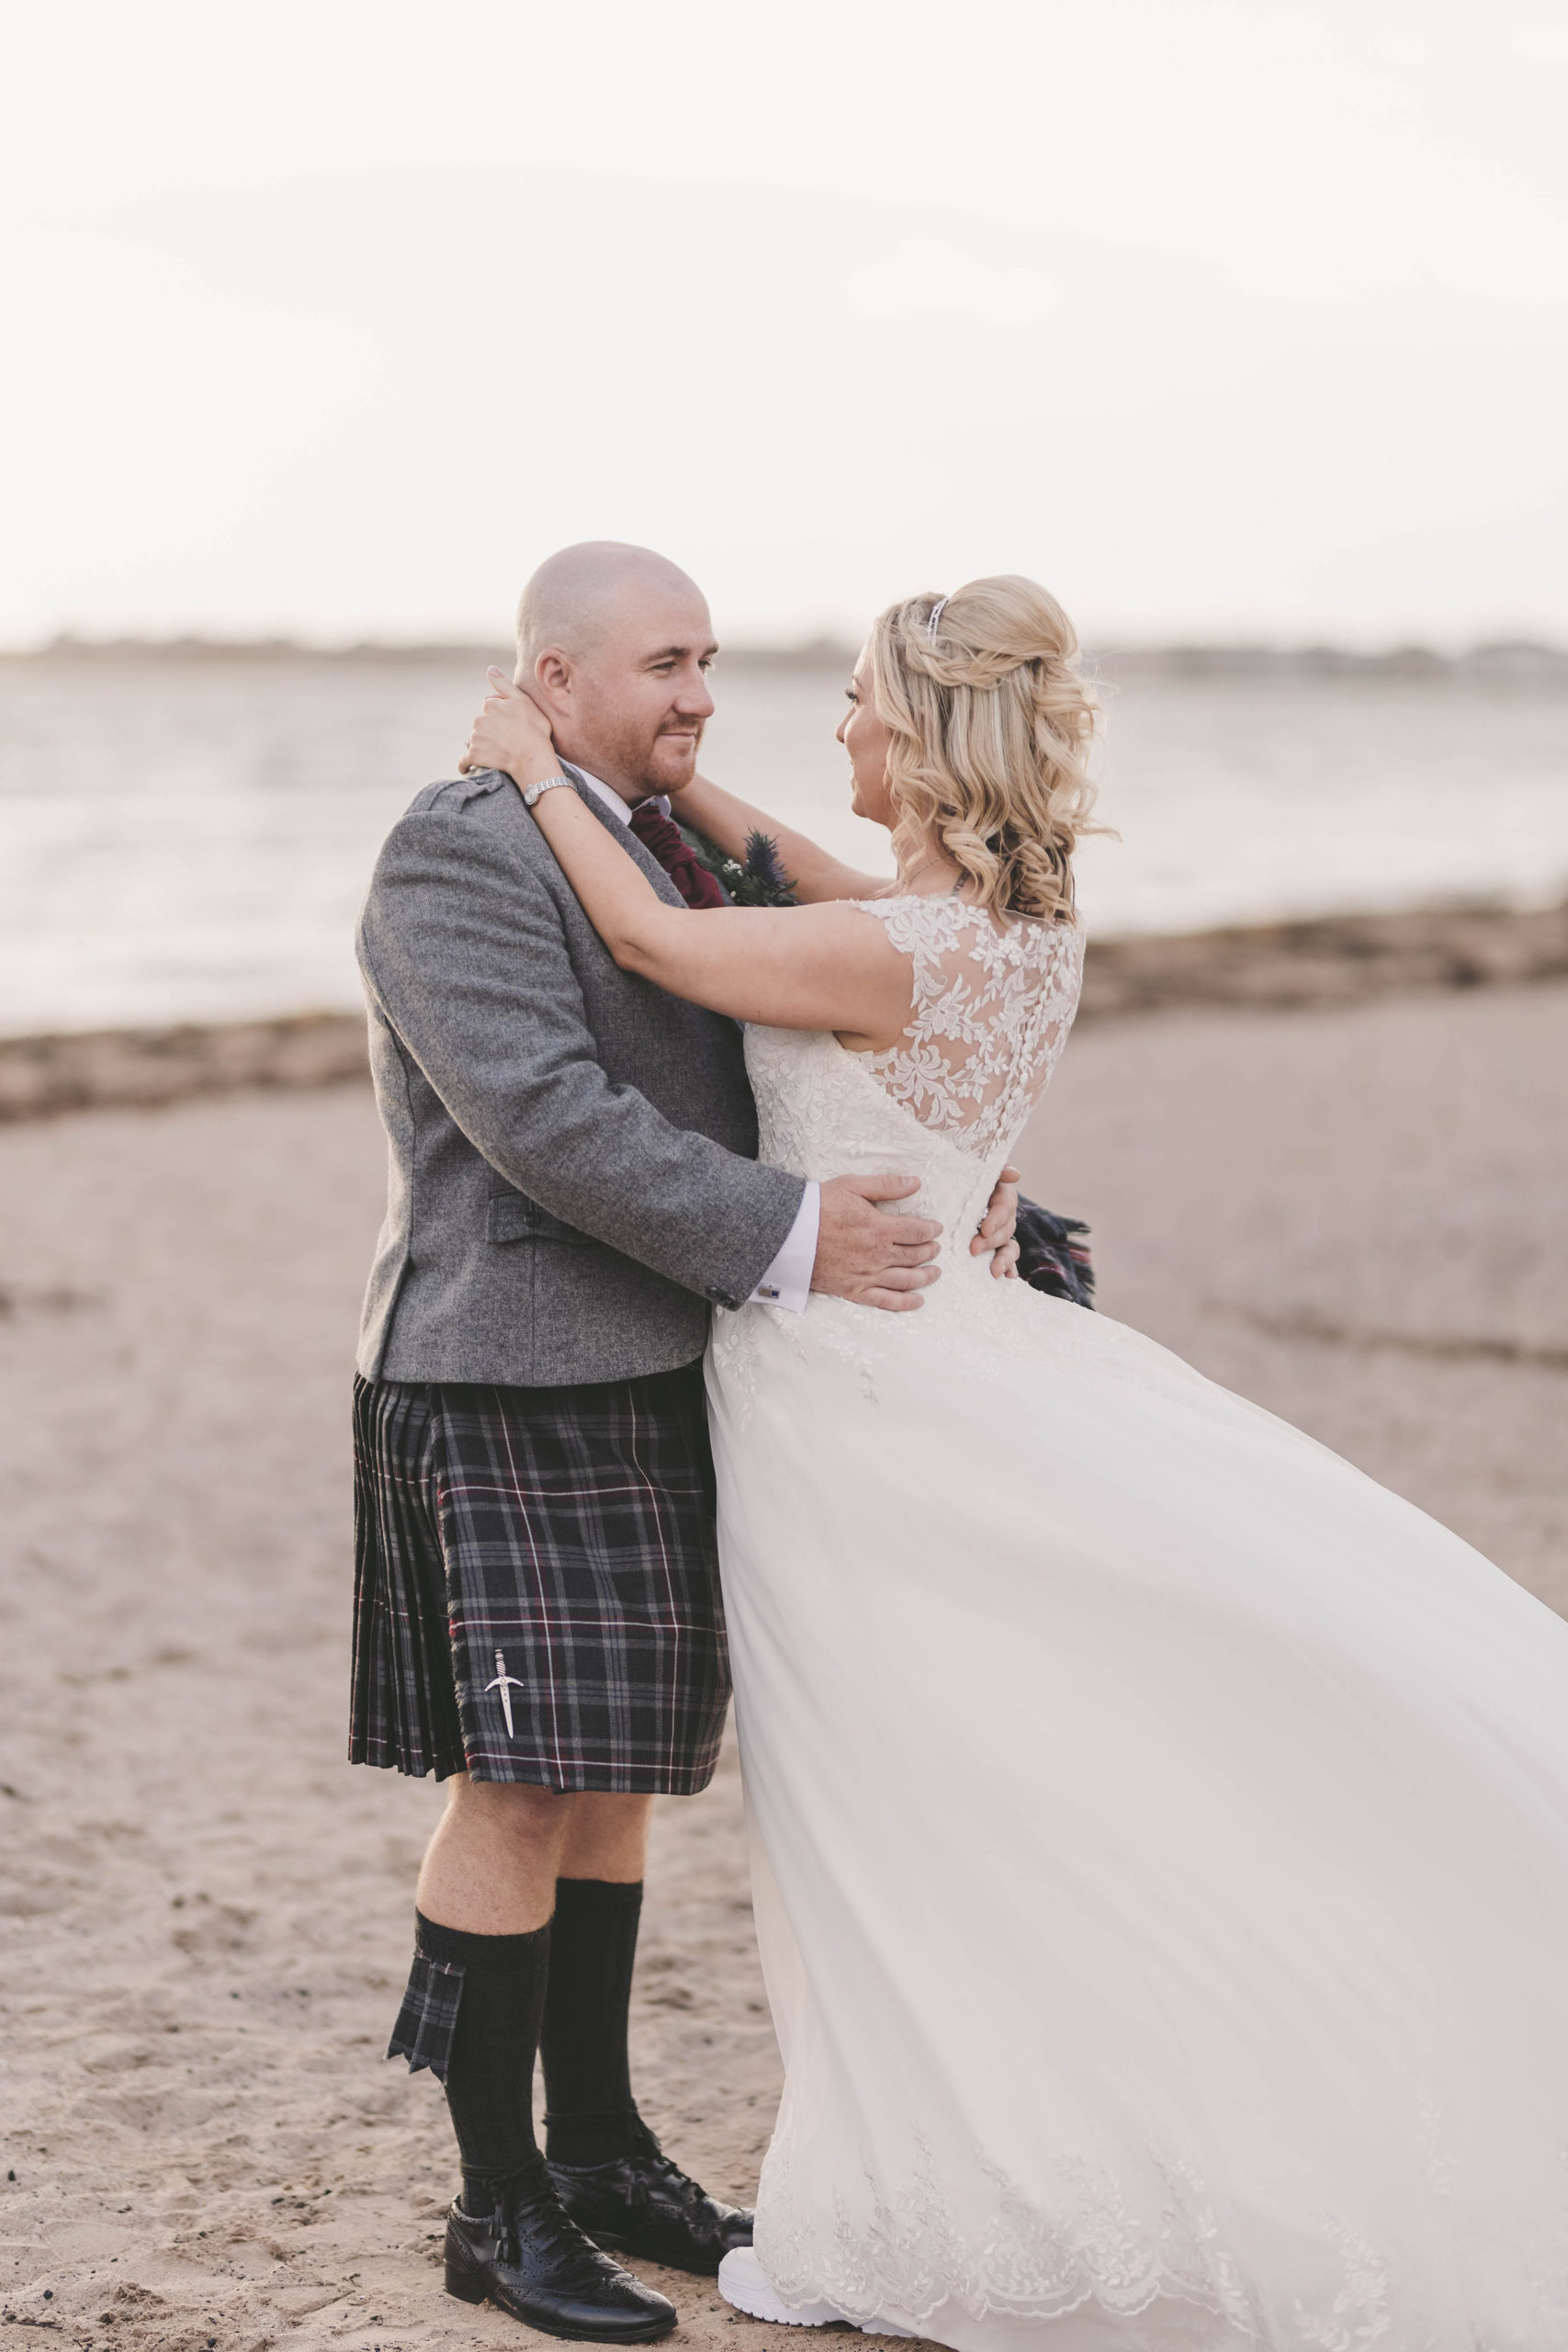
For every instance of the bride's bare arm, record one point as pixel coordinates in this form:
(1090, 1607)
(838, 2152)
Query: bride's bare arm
(727, 820)
(793, 967)
(510, 733)
(809, 967)
(824, 966)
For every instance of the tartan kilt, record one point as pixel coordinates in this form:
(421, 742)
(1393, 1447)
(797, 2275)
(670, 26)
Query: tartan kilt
(537, 1583)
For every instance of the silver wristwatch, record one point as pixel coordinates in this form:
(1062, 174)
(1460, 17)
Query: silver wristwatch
(549, 785)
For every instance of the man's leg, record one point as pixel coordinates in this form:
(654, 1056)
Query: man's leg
(482, 1955)
(505, 1856)
(607, 1838)
(482, 1906)
(491, 1867)
(592, 2115)
(614, 2179)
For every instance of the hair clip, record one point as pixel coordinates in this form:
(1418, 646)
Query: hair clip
(936, 613)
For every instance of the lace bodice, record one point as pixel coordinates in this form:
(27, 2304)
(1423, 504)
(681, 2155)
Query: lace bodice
(992, 1006)
(993, 1003)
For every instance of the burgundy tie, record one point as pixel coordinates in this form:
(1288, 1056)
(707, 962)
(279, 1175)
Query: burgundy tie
(658, 833)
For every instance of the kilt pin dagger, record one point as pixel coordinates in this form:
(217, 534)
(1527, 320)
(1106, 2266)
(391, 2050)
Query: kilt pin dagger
(505, 1683)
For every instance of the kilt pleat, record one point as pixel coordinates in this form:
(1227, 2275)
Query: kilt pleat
(404, 1708)
(537, 1595)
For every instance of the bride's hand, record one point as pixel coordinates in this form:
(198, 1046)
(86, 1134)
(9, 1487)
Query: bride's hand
(995, 1232)
(513, 734)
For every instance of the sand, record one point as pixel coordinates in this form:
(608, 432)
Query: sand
(1353, 1216)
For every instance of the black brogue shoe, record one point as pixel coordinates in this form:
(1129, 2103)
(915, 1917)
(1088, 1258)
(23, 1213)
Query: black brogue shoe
(642, 2203)
(528, 2259)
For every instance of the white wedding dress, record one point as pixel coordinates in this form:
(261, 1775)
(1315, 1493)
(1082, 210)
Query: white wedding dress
(1160, 1832)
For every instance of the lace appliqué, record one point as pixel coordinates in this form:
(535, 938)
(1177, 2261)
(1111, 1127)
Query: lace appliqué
(736, 1344)
(909, 2255)
(739, 1339)
(993, 1003)
(904, 2252)
(1359, 2314)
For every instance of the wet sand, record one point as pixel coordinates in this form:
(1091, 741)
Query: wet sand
(1354, 1215)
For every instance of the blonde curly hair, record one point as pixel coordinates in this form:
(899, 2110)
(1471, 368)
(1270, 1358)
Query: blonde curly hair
(992, 726)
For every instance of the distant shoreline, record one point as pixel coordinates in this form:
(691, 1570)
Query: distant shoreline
(1335, 960)
(1520, 662)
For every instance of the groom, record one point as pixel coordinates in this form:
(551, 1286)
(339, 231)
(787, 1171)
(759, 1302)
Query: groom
(573, 1186)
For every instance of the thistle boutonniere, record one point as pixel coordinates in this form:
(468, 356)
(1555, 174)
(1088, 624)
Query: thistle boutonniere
(756, 880)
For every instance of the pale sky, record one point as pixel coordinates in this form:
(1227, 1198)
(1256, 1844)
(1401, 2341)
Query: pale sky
(1221, 319)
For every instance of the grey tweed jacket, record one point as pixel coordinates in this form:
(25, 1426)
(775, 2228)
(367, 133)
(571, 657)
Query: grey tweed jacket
(572, 1174)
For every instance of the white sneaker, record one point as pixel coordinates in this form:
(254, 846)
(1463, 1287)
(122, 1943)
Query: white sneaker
(743, 2282)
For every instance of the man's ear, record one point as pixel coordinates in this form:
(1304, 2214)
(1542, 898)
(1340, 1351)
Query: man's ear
(551, 682)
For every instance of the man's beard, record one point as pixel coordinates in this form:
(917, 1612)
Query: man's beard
(613, 744)
(663, 765)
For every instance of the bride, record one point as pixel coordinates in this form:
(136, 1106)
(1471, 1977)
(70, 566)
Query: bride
(1159, 1831)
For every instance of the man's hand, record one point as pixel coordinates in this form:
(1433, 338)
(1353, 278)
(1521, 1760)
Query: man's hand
(997, 1225)
(867, 1256)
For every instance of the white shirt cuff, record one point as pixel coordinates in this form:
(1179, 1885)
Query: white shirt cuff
(787, 1282)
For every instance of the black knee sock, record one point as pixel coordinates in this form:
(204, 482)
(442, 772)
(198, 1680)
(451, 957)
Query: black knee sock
(490, 2074)
(591, 2115)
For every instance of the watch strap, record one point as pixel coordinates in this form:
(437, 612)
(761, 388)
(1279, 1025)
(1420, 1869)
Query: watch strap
(547, 784)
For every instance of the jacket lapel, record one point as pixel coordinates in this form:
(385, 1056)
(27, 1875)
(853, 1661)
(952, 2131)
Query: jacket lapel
(624, 834)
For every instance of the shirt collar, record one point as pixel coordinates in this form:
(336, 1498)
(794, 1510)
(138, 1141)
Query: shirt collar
(611, 799)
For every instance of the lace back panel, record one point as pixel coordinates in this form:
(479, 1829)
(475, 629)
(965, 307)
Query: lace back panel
(993, 1000)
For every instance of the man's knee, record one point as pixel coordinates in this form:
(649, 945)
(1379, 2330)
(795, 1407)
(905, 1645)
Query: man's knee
(510, 1809)
(607, 1838)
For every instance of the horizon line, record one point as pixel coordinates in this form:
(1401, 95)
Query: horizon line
(1514, 655)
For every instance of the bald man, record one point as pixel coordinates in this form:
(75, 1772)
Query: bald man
(573, 1187)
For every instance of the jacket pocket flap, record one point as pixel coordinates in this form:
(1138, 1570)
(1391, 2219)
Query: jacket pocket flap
(511, 1216)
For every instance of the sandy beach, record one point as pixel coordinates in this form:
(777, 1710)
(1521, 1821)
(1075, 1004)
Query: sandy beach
(1351, 1213)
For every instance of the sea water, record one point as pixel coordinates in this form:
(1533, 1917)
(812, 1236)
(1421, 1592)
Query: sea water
(190, 839)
